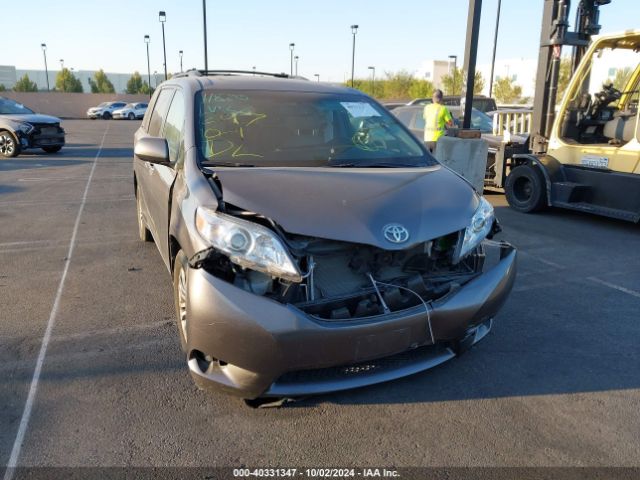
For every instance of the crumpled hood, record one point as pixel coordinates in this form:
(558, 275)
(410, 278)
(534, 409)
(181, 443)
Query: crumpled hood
(31, 118)
(354, 205)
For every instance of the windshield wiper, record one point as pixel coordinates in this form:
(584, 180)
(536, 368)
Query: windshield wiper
(374, 165)
(225, 164)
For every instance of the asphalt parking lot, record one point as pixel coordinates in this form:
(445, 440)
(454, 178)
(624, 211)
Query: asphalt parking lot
(556, 383)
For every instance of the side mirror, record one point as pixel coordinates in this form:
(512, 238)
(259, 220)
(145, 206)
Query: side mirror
(152, 150)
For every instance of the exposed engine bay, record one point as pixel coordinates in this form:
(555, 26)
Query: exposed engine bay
(343, 281)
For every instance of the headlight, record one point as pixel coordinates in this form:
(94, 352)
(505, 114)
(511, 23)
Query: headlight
(247, 244)
(25, 127)
(480, 226)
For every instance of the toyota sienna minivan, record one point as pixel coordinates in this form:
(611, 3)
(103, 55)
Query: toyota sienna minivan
(314, 244)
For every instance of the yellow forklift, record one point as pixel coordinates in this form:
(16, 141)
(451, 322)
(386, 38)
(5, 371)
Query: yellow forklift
(586, 154)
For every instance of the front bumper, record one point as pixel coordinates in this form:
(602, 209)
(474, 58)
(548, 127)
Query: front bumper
(265, 348)
(39, 139)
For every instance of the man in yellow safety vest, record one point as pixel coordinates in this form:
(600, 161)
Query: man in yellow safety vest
(437, 117)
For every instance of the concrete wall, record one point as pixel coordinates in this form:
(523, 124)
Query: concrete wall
(68, 105)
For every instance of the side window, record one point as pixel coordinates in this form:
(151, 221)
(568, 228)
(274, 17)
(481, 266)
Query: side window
(174, 128)
(159, 112)
(405, 116)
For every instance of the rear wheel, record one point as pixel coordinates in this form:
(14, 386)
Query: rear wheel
(180, 295)
(8, 145)
(143, 232)
(525, 189)
(52, 149)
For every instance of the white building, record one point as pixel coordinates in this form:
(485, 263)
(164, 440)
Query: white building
(9, 75)
(434, 70)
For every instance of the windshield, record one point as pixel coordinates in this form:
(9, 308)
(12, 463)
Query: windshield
(302, 129)
(8, 107)
(103, 104)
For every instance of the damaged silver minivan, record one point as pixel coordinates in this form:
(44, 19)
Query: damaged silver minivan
(315, 245)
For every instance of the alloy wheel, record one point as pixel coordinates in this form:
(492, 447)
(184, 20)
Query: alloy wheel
(7, 145)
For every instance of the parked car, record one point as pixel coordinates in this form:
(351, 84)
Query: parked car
(480, 102)
(104, 110)
(21, 128)
(314, 244)
(392, 105)
(411, 117)
(130, 111)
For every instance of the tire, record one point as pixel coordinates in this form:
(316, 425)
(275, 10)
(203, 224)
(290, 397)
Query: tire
(9, 146)
(143, 232)
(131, 116)
(52, 149)
(525, 189)
(106, 116)
(180, 296)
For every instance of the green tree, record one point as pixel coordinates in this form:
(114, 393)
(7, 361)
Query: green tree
(452, 83)
(146, 90)
(421, 89)
(2, 88)
(505, 91)
(66, 81)
(396, 85)
(25, 85)
(134, 84)
(100, 83)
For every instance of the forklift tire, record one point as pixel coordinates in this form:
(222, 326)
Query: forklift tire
(525, 189)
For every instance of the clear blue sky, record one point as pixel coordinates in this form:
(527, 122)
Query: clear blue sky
(393, 35)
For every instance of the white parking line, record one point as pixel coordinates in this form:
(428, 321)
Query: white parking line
(628, 291)
(33, 388)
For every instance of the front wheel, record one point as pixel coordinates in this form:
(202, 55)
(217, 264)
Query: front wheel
(180, 296)
(131, 116)
(106, 116)
(52, 149)
(525, 189)
(8, 145)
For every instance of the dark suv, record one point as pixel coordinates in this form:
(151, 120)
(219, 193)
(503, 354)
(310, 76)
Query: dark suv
(314, 244)
(21, 128)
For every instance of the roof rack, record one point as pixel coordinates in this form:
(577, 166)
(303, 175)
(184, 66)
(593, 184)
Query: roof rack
(200, 73)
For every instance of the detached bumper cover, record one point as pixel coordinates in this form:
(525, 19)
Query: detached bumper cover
(271, 349)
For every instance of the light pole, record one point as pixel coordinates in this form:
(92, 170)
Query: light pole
(62, 64)
(162, 17)
(46, 70)
(296, 59)
(495, 43)
(147, 40)
(204, 24)
(317, 75)
(254, 69)
(180, 53)
(155, 79)
(455, 71)
(291, 47)
(354, 30)
(373, 80)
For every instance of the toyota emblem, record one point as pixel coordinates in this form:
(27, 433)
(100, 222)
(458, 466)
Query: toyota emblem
(395, 233)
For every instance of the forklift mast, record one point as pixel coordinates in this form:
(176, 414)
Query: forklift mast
(554, 35)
